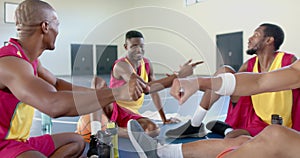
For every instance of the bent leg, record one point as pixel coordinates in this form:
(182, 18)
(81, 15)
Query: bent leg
(209, 97)
(274, 141)
(31, 154)
(236, 133)
(210, 148)
(68, 145)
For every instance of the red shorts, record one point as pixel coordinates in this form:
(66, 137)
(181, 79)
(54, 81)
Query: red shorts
(12, 148)
(226, 151)
(122, 115)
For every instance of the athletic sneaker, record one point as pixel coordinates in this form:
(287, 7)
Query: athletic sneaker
(217, 126)
(187, 130)
(143, 144)
(93, 151)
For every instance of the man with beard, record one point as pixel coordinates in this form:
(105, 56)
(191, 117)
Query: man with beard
(248, 115)
(274, 141)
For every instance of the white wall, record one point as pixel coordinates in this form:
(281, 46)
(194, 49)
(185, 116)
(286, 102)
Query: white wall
(173, 32)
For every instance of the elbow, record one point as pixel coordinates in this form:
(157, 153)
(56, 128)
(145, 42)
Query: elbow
(54, 113)
(54, 109)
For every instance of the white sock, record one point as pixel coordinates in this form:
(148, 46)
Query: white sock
(198, 116)
(95, 127)
(169, 150)
(227, 131)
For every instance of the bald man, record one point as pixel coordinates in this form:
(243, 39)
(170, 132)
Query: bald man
(25, 84)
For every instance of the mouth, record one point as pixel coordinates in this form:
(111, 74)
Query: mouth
(249, 44)
(139, 56)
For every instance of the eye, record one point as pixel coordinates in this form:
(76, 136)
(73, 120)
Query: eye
(134, 46)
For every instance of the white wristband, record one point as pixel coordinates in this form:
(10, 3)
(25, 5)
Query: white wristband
(95, 127)
(228, 84)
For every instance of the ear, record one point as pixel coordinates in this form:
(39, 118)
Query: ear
(270, 40)
(45, 27)
(125, 46)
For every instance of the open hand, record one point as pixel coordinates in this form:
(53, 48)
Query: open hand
(187, 68)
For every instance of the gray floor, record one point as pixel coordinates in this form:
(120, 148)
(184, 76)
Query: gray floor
(170, 106)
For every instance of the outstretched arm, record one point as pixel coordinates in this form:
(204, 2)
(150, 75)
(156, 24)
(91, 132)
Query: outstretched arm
(282, 79)
(58, 83)
(246, 83)
(17, 75)
(185, 70)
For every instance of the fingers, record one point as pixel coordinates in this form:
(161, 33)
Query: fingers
(182, 99)
(197, 63)
(175, 89)
(141, 82)
(188, 62)
(144, 85)
(168, 75)
(98, 83)
(172, 120)
(139, 86)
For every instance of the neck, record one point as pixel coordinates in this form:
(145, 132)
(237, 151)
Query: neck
(265, 59)
(30, 49)
(134, 63)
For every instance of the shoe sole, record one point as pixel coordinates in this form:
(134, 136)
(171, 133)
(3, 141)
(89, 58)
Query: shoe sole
(135, 144)
(196, 135)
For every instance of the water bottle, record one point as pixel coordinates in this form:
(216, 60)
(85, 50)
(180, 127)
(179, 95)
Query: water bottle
(104, 144)
(107, 143)
(112, 128)
(276, 119)
(46, 124)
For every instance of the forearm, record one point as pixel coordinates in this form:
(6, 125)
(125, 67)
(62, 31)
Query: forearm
(246, 84)
(66, 103)
(64, 85)
(157, 102)
(207, 83)
(161, 84)
(227, 84)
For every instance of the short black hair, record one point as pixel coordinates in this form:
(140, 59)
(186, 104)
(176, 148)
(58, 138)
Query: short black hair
(133, 34)
(274, 31)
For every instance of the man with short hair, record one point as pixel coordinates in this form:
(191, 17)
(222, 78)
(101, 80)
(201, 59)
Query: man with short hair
(120, 111)
(26, 85)
(248, 115)
(274, 141)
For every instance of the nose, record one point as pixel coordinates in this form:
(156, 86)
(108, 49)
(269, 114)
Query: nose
(250, 38)
(139, 49)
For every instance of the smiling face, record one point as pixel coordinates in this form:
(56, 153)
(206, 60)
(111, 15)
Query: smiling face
(135, 48)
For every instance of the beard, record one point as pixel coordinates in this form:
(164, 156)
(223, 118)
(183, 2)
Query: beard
(251, 51)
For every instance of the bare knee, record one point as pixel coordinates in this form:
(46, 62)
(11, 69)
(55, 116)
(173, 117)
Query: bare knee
(242, 139)
(68, 145)
(271, 132)
(79, 144)
(75, 145)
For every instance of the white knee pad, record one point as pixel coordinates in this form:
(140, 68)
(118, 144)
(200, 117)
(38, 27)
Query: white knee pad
(228, 84)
